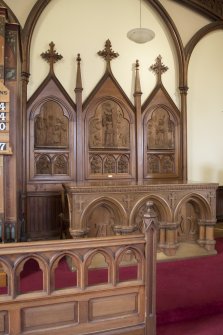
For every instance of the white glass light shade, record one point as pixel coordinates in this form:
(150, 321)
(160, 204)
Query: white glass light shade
(141, 35)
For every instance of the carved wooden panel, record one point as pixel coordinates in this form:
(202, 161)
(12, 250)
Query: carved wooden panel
(51, 126)
(51, 129)
(108, 134)
(51, 164)
(109, 128)
(51, 148)
(114, 306)
(51, 144)
(40, 317)
(188, 219)
(161, 132)
(101, 221)
(186, 211)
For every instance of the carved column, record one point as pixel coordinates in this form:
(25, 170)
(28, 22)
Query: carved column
(183, 93)
(75, 204)
(168, 238)
(23, 206)
(79, 139)
(162, 235)
(2, 33)
(206, 234)
(210, 242)
(202, 233)
(139, 141)
(150, 228)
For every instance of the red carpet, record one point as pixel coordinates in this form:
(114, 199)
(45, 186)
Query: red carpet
(190, 295)
(189, 292)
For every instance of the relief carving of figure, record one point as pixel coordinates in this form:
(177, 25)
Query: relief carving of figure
(95, 133)
(109, 128)
(108, 125)
(188, 218)
(51, 126)
(160, 130)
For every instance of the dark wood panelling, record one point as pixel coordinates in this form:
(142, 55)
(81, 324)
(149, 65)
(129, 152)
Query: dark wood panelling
(219, 203)
(43, 211)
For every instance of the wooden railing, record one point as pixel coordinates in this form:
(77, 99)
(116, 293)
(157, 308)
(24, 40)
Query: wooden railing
(112, 290)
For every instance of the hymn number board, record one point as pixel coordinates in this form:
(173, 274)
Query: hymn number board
(4, 120)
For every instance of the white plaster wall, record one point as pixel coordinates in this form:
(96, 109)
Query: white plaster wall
(205, 110)
(83, 27)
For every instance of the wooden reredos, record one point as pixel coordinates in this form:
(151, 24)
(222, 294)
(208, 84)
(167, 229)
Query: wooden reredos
(106, 137)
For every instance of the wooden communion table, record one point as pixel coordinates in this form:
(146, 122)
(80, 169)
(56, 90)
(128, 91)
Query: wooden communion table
(186, 210)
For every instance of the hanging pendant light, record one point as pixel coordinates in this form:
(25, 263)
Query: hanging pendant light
(140, 35)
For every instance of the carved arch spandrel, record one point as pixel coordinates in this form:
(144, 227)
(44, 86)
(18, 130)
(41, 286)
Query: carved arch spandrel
(199, 201)
(102, 216)
(190, 211)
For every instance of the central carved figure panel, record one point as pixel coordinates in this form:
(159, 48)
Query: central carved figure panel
(109, 128)
(108, 139)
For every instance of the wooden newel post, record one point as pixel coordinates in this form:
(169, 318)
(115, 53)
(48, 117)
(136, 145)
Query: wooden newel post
(150, 228)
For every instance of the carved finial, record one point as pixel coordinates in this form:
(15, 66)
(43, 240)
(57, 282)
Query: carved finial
(51, 56)
(150, 216)
(137, 80)
(78, 78)
(159, 68)
(108, 54)
(78, 58)
(137, 64)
